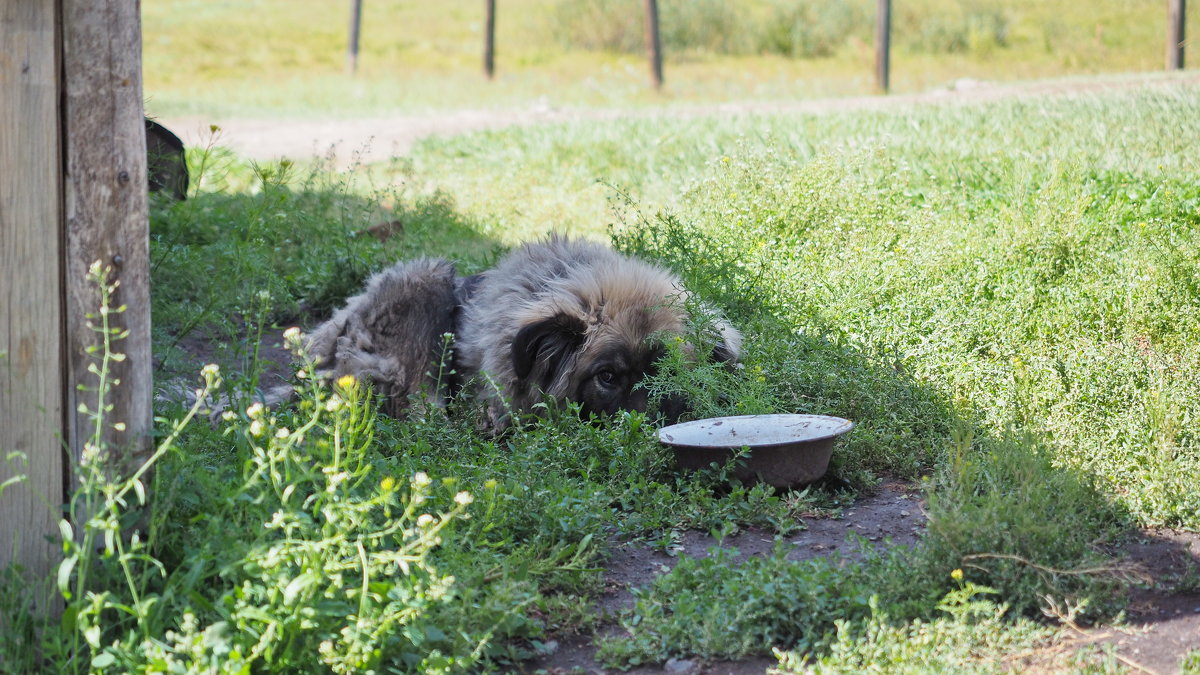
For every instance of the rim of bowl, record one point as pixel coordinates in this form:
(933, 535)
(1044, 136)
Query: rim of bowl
(845, 426)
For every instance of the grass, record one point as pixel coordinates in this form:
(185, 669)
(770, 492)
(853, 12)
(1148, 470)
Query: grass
(1002, 297)
(1042, 272)
(427, 56)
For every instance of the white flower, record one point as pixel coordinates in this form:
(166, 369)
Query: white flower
(333, 403)
(463, 498)
(292, 334)
(257, 427)
(229, 416)
(282, 432)
(421, 479)
(254, 410)
(424, 520)
(211, 370)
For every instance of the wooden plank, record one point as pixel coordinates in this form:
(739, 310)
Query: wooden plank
(31, 376)
(883, 45)
(1176, 37)
(106, 211)
(654, 44)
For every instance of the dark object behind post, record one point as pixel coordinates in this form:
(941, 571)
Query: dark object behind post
(883, 44)
(653, 44)
(489, 38)
(166, 164)
(355, 31)
(1176, 20)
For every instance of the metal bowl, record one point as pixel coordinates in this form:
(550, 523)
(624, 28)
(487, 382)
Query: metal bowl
(785, 450)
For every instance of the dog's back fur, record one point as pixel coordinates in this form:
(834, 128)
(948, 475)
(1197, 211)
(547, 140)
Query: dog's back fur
(392, 333)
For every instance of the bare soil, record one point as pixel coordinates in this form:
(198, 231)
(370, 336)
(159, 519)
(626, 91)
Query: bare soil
(1164, 611)
(351, 142)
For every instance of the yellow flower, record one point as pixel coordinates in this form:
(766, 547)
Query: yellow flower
(347, 381)
(387, 484)
(957, 575)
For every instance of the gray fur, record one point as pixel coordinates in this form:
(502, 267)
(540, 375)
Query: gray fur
(392, 333)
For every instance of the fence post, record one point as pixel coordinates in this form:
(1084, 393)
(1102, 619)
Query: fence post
(1176, 21)
(31, 287)
(653, 44)
(106, 210)
(355, 32)
(883, 44)
(489, 39)
(72, 191)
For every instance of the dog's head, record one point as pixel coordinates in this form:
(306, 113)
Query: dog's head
(596, 342)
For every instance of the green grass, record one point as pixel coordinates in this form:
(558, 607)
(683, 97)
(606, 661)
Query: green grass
(1041, 272)
(199, 55)
(1002, 297)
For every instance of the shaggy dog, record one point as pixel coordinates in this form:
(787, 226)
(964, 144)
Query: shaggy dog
(564, 319)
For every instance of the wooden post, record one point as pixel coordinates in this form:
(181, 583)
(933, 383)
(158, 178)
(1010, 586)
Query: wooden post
(72, 191)
(355, 32)
(106, 211)
(883, 45)
(1176, 21)
(489, 38)
(31, 315)
(653, 44)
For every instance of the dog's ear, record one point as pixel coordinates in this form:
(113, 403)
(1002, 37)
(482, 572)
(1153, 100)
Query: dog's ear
(550, 342)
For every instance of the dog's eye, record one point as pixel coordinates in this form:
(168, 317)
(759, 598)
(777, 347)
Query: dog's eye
(606, 378)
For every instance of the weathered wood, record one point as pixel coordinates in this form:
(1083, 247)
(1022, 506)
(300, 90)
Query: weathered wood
(1176, 38)
(489, 38)
(31, 375)
(883, 45)
(654, 44)
(106, 212)
(355, 33)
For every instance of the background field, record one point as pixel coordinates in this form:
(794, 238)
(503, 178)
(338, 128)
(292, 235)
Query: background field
(281, 57)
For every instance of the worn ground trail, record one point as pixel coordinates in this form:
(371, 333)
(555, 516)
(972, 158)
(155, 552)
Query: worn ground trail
(373, 139)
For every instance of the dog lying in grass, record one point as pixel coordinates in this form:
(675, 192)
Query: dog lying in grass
(563, 319)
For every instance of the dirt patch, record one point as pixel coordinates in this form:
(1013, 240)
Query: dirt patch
(891, 516)
(177, 379)
(353, 142)
(1164, 612)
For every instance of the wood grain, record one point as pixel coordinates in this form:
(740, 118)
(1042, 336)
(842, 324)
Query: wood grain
(106, 210)
(31, 374)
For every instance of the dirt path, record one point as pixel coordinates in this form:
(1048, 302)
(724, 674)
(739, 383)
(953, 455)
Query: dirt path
(374, 139)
